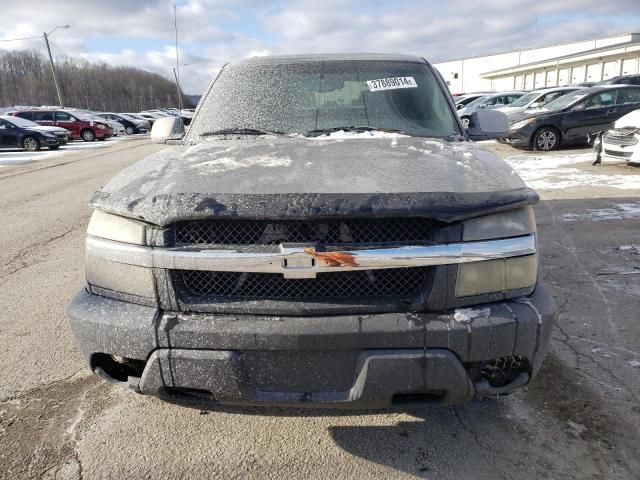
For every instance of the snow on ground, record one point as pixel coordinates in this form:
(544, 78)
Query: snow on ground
(17, 157)
(555, 172)
(620, 211)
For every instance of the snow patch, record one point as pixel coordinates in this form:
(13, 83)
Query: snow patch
(225, 164)
(467, 315)
(621, 211)
(556, 172)
(341, 134)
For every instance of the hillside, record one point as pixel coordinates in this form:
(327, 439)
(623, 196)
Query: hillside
(25, 79)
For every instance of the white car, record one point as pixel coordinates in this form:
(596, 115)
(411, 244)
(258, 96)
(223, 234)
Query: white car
(536, 99)
(117, 127)
(622, 142)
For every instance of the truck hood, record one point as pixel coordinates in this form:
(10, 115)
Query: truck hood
(299, 177)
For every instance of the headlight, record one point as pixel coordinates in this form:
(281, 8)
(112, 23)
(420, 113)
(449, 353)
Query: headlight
(511, 223)
(120, 277)
(115, 276)
(522, 123)
(114, 227)
(100, 126)
(491, 276)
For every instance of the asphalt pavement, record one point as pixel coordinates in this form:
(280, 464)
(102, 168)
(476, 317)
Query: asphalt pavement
(580, 419)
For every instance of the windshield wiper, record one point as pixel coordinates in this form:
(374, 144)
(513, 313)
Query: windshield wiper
(361, 128)
(241, 131)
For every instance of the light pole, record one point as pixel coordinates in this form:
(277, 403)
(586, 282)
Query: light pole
(176, 69)
(53, 68)
(179, 90)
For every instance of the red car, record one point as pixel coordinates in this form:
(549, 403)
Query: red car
(80, 126)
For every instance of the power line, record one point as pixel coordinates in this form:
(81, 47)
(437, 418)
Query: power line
(19, 39)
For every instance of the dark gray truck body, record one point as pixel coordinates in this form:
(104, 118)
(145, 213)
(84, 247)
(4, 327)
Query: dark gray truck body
(330, 352)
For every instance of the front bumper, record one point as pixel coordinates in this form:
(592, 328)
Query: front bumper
(615, 152)
(521, 138)
(357, 361)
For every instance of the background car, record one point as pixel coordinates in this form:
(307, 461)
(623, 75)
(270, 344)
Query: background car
(536, 99)
(622, 142)
(116, 127)
(622, 80)
(131, 126)
(14, 135)
(494, 100)
(572, 118)
(466, 99)
(62, 134)
(81, 126)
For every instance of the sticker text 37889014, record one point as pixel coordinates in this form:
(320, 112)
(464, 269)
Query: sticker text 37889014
(391, 83)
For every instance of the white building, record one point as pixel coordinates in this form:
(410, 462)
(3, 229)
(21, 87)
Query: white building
(547, 66)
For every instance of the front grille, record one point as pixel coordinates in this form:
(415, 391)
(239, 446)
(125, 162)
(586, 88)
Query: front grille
(393, 282)
(265, 232)
(621, 138)
(615, 153)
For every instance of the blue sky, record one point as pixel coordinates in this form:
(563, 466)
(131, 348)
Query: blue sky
(213, 32)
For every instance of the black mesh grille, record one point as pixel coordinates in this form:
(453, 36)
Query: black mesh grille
(273, 286)
(264, 232)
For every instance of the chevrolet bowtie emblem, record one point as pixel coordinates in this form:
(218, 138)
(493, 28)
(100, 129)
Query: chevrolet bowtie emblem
(333, 259)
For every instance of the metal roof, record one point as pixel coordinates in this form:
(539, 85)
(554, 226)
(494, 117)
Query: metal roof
(632, 46)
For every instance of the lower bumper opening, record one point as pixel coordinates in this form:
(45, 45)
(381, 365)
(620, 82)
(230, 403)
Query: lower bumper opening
(118, 370)
(416, 398)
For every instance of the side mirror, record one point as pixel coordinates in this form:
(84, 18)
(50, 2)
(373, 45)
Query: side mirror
(459, 106)
(536, 105)
(167, 129)
(488, 125)
(482, 105)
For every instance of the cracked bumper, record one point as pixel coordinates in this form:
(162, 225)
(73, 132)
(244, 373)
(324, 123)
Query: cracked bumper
(358, 361)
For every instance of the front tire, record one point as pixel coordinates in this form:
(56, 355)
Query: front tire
(466, 121)
(129, 131)
(88, 135)
(546, 139)
(31, 144)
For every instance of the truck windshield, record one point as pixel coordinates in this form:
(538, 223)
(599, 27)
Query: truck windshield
(306, 97)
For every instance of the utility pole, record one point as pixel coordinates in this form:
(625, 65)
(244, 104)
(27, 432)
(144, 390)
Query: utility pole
(53, 71)
(175, 74)
(176, 70)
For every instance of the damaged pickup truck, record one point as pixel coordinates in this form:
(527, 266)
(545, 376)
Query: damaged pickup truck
(325, 234)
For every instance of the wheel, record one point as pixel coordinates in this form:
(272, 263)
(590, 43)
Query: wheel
(54, 147)
(465, 122)
(546, 139)
(88, 135)
(129, 131)
(31, 144)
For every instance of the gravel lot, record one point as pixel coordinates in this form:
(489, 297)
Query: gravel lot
(580, 419)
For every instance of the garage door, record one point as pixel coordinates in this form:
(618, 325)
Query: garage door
(611, 69)
(593, 72)
(538, 80)
(528, 81)
(577, 75)
(563, 77)
(629, 66)
(551, 78)
(518, 83)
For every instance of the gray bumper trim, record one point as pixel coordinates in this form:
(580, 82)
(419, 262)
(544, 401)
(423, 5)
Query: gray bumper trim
(378, 376)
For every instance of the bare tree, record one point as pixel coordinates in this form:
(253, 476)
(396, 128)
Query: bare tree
(25, 79)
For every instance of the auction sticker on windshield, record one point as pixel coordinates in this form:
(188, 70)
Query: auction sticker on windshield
(391, 83)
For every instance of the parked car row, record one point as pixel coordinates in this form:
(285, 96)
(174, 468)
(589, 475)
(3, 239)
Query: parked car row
(32, 129)
(547, 118)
